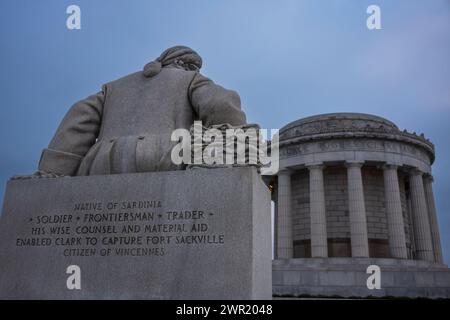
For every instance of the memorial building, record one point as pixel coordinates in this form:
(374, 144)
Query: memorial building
(354, 190)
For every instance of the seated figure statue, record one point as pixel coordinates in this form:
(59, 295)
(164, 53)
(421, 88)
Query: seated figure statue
(127, 126)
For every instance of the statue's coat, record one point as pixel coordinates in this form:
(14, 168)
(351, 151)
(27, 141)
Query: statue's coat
(127, 126)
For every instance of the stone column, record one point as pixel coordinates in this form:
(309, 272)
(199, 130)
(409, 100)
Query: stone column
(319, 246)
(412, 239)
(357, 210)
(434, 226)
(284, 218)
(396, 228)
(422, 233)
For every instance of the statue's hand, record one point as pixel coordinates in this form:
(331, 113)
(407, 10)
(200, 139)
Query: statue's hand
(37, 174)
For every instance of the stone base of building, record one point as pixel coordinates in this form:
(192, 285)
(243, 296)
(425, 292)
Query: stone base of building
(347, 277)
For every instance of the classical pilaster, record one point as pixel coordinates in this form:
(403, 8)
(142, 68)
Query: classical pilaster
(422, 233)
(284, 217)
(396, 228)
(357, 210)
(319, 246)
(434, 226)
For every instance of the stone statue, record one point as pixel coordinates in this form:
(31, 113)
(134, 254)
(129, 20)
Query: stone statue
(127, 126)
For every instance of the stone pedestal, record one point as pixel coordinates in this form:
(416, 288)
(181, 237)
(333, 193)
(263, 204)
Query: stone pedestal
(196, 234)
(347, 277)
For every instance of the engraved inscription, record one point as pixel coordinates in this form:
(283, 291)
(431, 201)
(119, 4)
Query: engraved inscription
(353, 145)
(121, 228)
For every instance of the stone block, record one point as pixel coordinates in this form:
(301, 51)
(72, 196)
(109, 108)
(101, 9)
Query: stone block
(337, 278)
(195, 234)
(424, 279)
(347, 277)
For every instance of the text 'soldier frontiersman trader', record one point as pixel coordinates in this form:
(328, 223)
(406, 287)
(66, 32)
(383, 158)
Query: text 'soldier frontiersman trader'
(127, 126)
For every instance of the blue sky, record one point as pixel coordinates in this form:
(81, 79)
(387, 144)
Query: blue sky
(287, 58)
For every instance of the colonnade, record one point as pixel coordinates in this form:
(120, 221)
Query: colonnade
(423, 211)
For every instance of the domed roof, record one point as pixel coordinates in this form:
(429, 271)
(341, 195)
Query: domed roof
(349, 125)
(344, 121)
